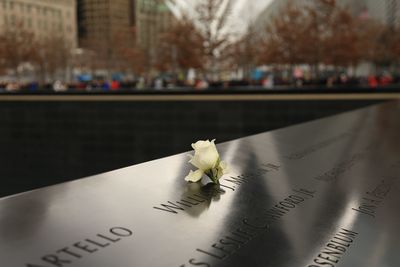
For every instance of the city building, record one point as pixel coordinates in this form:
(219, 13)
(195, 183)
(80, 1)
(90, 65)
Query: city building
(102, 25)
(45, 18)
(385, 11)
(100, 21)
(152, 18)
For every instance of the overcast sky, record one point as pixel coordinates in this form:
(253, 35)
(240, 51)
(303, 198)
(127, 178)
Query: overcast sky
(244, 11)
(248, 10)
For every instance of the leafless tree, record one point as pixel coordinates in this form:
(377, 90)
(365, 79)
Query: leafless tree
(181, 47)
(322, 33)
(211, 18)
(16, 47)
(52, 56)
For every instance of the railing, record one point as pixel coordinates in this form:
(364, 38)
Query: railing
(213, 94)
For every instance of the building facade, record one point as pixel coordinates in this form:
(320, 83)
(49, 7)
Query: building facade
(44, 18)
(385, 11)
(152, 19)
(100, 21)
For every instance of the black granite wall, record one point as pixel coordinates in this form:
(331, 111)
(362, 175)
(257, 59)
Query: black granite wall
(44, 143)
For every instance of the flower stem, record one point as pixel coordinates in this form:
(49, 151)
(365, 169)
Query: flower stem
(215, 180)
(213, 176)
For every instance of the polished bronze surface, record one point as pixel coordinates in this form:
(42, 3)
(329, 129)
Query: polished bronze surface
(323, 193)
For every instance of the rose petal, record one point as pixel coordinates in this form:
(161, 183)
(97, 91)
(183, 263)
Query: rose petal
(224, 166)
(194, 177)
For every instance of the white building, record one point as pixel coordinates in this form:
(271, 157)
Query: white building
(42, 17)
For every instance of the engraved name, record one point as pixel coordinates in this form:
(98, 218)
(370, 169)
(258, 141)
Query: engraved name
(250, 228)
(374, 198)
(330, 255)
(230, 183)
(314, 148)
(341, 168)
(78, 250)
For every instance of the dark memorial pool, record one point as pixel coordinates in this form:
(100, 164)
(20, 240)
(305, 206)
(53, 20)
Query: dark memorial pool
(323, 193)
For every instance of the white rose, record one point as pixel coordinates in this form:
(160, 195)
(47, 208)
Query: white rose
(194, 177)
(222, 169)
(206, 159)
(206, 156)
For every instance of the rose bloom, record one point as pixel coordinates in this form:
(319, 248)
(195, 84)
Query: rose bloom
(206, 159)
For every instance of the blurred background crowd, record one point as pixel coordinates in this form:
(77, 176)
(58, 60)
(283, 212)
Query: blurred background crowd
(133, 45)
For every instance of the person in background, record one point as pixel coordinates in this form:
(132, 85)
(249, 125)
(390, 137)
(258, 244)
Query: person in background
(298, 75)
(140, 84)
(330, 81)
(202, 84)
(158, 84)
(105, 86)
(372, 81)
(115, 85)
(268, 82)
(385, 79)
(12, 87)
(58, 86)
(343, 78)
(33, 87)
